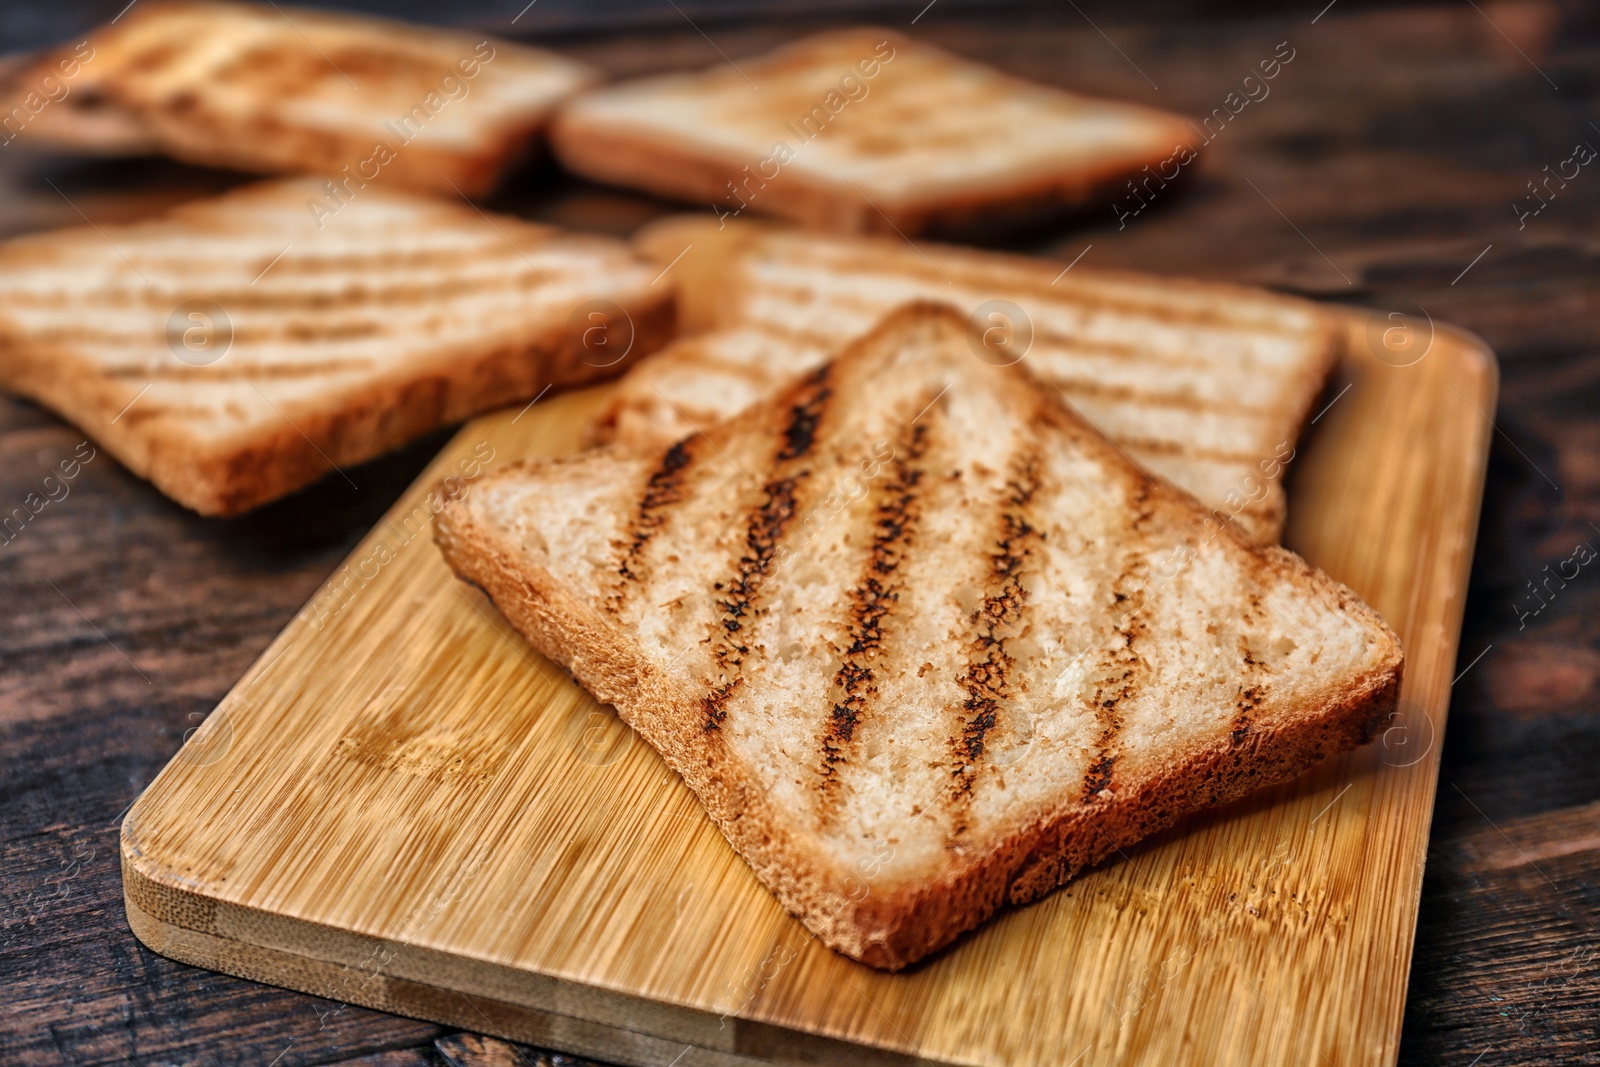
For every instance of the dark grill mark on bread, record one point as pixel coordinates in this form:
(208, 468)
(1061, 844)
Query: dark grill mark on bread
(1128, 395)
(1156, 447)
(1244, 717)
(872, 261)
(1099, 776)
(986, 679)
(1249, 697)
(801, 295)
(1123, 665)
(662, 490)
(274, 295)
(763, 530)
(228, 370)
(152, 58)
(896, 517)
(149, 411)
(765, 527)
(805, 414)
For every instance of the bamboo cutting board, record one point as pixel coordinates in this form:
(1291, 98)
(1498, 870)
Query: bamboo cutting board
(401, 805)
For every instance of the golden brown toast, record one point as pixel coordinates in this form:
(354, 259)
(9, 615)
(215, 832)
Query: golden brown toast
(863, 130)
(240, 347)
(275, 88)
(921, 640)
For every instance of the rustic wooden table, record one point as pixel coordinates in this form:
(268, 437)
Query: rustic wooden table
(1387, 168)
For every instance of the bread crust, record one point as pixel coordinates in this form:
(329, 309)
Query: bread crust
(894, 926)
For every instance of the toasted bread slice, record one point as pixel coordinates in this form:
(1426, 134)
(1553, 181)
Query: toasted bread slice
(275, 88)
(36, 83)
(1207, 385)
(864, 131)
(921, 640)
(240, 347)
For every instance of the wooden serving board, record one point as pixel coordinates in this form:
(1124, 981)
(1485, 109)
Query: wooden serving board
(403, 806)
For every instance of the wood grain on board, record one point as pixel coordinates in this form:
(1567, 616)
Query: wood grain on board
(402, 805)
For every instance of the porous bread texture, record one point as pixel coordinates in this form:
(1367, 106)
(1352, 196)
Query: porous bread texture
(274, 88)
(240, 347)
(1207, 385)
(922, 641)
(864, 130)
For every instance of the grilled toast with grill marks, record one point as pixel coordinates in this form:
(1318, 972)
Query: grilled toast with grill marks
(920, 639)
(864, 130)
(232, 351)
(1207, 385)
(274, 88)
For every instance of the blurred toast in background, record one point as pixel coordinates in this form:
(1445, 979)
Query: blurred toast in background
(282, 89)
(240, 347)
(863, 130)
(1206, 385)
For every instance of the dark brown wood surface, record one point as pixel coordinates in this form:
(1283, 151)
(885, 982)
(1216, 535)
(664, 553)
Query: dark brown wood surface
(1383, 169)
